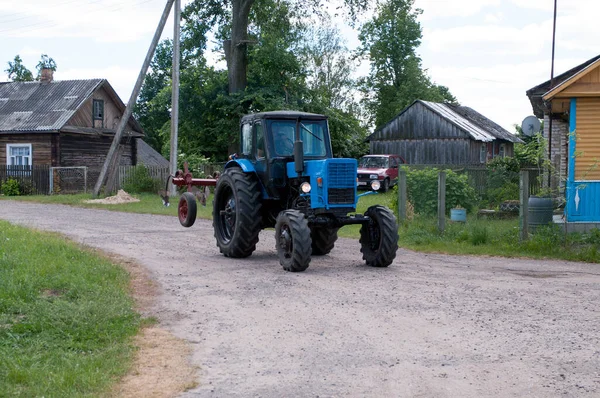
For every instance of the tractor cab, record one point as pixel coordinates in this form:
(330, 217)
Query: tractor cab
(271, 140)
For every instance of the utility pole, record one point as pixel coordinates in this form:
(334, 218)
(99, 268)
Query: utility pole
(111, 159)
(175, 94)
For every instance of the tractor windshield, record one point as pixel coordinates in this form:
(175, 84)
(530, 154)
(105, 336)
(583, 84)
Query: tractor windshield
(312, 134)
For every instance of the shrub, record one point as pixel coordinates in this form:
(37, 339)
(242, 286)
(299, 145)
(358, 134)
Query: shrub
(422, 190)
(503, 180)
(141, 181)
(11, 187)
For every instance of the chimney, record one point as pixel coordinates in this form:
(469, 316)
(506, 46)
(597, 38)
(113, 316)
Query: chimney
(47, 75)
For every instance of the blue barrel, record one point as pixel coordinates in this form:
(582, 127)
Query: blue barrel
(540, 212)
(459, 215)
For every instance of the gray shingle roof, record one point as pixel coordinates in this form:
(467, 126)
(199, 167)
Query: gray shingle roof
(148, 156)
(42, 107)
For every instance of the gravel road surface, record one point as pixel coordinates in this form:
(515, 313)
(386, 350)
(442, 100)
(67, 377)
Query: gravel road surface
(430, 325)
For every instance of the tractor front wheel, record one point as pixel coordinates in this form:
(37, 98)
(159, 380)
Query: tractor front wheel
(379, 237)
(323, 240)
(292, 240)
(236, 213)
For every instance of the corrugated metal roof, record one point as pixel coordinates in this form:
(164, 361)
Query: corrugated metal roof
(36, 106)
(448, 113)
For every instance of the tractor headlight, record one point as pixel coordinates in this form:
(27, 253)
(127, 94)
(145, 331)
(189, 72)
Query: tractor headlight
(305, 187)
(373, 176)
(375, 185)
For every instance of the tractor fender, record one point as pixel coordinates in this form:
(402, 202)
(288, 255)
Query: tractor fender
(247, 167)
(244, 164)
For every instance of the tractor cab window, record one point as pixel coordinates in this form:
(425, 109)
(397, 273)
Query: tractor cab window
(312, 134)
(246, 140)
(313, 137)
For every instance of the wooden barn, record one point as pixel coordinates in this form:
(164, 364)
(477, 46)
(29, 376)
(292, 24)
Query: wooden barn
(63, 124)
(435, 133)
(573, 103)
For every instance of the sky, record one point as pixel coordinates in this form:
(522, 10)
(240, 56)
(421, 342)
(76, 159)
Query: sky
(488, 52)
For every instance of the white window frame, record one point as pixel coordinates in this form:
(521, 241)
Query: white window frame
(8, 155)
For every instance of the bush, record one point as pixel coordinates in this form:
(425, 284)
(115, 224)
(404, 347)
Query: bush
(11, 187)
(422, 190)
(503, 180)
(141, 181)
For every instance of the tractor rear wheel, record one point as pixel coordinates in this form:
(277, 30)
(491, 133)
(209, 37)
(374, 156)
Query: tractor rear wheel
(379, 237)
(292, 240)
(236, 213)
(323, 240)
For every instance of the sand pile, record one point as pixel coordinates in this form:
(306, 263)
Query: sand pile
(120, 197)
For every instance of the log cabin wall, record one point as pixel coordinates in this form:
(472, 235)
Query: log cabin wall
(421, 136)
(91, 150)
(41, 147)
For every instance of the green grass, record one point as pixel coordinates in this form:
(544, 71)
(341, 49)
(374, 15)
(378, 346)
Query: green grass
(475, 237)
(149, 203)
(66, 317)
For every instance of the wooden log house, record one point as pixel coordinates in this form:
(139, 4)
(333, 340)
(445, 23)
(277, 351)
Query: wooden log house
(63, 124)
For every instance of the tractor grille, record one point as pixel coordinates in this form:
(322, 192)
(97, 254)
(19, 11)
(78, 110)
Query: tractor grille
(341, 195)
(342, 182)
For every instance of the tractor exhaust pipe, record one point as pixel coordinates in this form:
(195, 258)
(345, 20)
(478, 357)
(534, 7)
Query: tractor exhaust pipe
(298, 150)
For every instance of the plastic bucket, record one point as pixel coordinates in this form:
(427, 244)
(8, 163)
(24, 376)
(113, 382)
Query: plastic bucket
(540, 212)
(459, 215)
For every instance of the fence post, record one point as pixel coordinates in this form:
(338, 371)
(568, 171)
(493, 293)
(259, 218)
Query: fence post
(524, 205)
(401, 196)
(442, 201)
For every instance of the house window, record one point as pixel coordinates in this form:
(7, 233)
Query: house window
(98, 111)
(18, 155)
(483, 153)
(502, 150)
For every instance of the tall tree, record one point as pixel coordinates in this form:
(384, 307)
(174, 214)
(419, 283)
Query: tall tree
(17, 72)
(390, 40)
(234, 17)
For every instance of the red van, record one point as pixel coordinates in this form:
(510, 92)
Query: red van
(379, 167)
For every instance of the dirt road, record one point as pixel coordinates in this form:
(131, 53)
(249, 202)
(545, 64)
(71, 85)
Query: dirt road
(427, 326)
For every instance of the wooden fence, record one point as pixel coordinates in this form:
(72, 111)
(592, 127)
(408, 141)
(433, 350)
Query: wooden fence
(479, 176)
(33, 180)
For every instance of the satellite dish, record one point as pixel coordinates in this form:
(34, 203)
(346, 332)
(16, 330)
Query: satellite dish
(530, 125)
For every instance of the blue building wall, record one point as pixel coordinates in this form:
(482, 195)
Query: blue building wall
(583, 197)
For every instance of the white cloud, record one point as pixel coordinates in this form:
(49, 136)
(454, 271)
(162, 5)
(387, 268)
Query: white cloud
(490, 39)
(120, 78)
(444, 9)
(102, 20)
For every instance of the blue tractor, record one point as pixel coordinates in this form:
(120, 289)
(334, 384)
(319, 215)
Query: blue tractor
(285, 176)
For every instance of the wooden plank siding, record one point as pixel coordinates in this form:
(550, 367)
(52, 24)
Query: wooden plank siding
(112, 115)
(41, 146)
(587, 135)
(588, 85)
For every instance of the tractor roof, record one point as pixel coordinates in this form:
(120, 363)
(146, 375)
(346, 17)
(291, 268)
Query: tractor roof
(281, 115)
